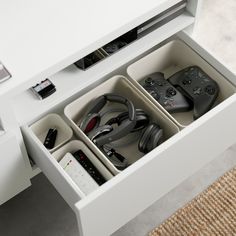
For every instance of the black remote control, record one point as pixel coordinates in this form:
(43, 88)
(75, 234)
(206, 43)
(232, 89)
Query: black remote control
(165, 93)
(89, 167)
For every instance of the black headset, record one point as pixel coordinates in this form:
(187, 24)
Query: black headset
(101, 135)
(129, 121)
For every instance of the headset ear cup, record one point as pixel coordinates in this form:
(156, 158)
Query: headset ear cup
(155, 138)
(142, 120)
(90, 122)
(145, 138)
(101, 130)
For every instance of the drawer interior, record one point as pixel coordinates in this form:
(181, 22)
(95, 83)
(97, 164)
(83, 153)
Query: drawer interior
(171, 58)
(127, 146)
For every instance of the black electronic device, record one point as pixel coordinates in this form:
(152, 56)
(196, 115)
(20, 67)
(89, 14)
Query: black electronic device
(165, 93)
(89, 167)
(44, 89)
(120, 42)
(90, 60)
(119, 161)
(194, 83)
(118, 127)
(50, 139)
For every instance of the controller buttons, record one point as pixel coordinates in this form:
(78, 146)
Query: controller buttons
(197, 91)
(169, 103)
(187, 81)
(170, 92)
(210, 90)
(159, 83)
(154, 94)
(149, 81)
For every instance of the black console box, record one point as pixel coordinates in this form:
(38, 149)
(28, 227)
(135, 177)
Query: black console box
(90, 60)
(108, 49)
(120, 42)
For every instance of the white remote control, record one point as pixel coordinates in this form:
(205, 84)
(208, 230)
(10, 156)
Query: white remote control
(80, 176)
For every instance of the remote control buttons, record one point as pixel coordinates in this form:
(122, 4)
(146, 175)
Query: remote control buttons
(149, 81)
(170, 92)
(210, 90)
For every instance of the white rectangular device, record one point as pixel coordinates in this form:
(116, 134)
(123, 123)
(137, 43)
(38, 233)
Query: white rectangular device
(79, 175)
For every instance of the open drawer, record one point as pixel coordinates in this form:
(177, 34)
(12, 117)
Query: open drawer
(130, 192)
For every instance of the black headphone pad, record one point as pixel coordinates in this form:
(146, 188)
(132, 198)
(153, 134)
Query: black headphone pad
(150, 138)
(155, 138)
(145, 138)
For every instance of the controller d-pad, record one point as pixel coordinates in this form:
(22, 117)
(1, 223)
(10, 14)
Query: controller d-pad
(187, 81)
(197, 91)
(170, 92)
(210, 90)
(149, 81)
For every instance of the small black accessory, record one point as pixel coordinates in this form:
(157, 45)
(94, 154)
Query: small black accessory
(44, 89)
(195, 84)
(121, 41)
(119, 161)
(91, 120)
(89, 167)
(150, 138)
(90, 60)
(165, 93)
(50, 139)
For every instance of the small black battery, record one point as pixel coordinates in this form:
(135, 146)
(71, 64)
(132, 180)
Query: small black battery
(44, 89)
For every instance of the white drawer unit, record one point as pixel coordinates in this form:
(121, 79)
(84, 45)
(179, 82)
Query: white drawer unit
(13, 173)
(189, 144)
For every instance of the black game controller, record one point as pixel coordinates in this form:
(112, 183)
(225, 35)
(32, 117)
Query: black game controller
(195, 84)
(165, 93)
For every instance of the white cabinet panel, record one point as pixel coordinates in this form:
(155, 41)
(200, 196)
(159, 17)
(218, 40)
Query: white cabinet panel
(13, 175)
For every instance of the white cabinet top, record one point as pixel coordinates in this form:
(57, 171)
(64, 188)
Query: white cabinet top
(39, 38)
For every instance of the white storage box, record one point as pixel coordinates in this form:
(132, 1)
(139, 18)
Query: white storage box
(169, 59)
